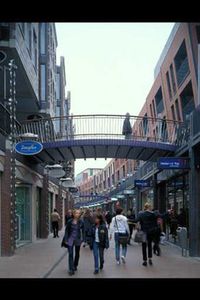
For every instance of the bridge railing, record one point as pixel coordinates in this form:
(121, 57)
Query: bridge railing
(105, 127)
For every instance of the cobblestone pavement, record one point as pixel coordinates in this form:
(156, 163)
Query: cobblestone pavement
(46, 259)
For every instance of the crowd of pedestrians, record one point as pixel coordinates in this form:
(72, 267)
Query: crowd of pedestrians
(95, 229)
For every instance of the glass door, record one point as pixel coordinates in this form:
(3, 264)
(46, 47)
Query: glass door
(23, 212)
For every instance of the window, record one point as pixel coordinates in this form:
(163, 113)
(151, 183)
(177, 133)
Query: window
(151, 111)
(198, 33)
(42, 82)
(173, 79)
(35, 49)
(181, 64)
(154, 109)
(173, 113)
(159, 101)
(124, 173)
(29, 38)
(177, 110)
(187, 101)
(42, 38)
(169, 85)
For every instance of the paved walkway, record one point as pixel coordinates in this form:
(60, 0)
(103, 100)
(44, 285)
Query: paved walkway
(46, 259)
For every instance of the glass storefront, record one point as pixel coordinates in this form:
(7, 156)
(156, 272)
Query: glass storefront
(23, 214)
(38, 213)
(50, 210)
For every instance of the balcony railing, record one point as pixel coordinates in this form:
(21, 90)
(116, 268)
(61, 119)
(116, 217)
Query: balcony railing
(102, 127)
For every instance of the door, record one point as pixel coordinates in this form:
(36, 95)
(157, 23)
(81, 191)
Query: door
(23, 212)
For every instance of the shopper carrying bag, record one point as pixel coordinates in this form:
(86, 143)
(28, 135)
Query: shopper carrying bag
(119, 226)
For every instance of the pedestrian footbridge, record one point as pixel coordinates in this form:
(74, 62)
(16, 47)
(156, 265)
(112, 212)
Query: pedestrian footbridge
(104, 136)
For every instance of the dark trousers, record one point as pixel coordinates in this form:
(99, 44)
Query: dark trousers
(73, 262)
(131, 231)
(55, 228)
(147, 244)
(156, 240)
(98, 252)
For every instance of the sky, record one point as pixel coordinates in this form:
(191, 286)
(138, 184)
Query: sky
(109, 67)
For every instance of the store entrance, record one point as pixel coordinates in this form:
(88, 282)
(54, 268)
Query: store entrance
(23, 214)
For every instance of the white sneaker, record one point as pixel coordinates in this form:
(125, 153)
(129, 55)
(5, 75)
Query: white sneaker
(123, 259)
(118, 262)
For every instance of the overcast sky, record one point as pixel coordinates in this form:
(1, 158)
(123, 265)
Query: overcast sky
(109, 67)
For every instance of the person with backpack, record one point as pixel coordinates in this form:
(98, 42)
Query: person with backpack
(119, 226)
(99, 242)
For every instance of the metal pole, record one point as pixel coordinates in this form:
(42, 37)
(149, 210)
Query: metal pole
(12, 138)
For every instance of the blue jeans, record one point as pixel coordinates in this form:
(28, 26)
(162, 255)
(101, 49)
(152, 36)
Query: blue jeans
(117, 248)
(73, 262)
(98, 252)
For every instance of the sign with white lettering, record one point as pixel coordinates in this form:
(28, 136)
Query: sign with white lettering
(28, 147)
(173, 163)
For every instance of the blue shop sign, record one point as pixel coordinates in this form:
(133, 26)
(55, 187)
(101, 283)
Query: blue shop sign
(173, 163)
(142, 183)
(28, 147)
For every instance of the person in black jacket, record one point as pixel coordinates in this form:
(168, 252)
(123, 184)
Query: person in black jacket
(108, 218)
(73, 238)
(99, 241)
(148, 223)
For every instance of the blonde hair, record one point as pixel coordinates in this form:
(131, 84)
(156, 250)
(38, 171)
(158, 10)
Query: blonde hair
(75, 210)
(147, 206)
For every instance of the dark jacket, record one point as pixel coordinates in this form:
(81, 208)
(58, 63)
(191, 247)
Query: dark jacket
(108, 218)
(131, 219)
(67, 218)
(68, 231)
(103, 236)
(127, 129)
(148, 221)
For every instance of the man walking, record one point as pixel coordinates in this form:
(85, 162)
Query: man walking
(55, 217)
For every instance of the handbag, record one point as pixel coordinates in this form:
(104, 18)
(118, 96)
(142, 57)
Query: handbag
(64, 243)
(122, 237)
(140, 237)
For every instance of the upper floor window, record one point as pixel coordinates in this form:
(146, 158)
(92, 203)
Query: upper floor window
(159, 101)
(42, 38)
(169, 85)
(43, 82)
(173, 79)
(181, 64)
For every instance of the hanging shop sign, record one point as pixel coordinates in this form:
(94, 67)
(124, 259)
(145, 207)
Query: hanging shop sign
(142, 183)
(173, 163)
(28, 147)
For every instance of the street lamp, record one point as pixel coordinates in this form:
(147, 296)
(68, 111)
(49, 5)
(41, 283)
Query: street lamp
(55, 170)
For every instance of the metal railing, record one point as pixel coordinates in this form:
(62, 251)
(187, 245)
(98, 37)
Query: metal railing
(104, 127)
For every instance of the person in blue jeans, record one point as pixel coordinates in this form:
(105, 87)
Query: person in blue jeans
(119, 226)
(99, 241)
(73, 239)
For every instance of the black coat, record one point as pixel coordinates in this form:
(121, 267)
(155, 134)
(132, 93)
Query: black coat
(68, 231)
(148, 221)
(127, 129)
(103, 236)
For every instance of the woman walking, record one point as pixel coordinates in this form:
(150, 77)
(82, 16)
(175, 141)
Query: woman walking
(72, 239)
(148, 223)
(131, 224)
(119, 226)
(99, 241)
